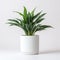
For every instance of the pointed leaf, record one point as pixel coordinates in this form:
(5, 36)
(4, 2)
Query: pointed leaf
(11, 24)
(13, 20)
(34, 17)
(19, 13)
(41, 16)
(43, 27)
(19, 20)
(32, 13)
(38, 21)
(25, 13)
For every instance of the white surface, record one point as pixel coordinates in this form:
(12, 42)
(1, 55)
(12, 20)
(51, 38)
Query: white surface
(19, 56)
(9, 36)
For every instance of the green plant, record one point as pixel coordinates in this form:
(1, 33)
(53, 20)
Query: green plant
(30, 22)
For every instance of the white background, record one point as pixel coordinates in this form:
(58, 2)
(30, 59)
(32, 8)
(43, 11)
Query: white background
(10, 36)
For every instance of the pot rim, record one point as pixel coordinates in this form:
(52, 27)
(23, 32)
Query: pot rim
(29, 35)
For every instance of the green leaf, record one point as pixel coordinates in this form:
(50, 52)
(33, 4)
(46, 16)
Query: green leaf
(46, 26)
(19, 20)
(41, 16)
(11, 24)
(29, 18)
(25, 13)
(29, 22)
(13, 20)
(25, 10)
(35, 16)
(35, 27)
(38, 21)
(42, 27)
(32, 13)
(19, 13)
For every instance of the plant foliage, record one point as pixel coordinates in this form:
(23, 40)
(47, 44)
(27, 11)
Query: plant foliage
(30, 22)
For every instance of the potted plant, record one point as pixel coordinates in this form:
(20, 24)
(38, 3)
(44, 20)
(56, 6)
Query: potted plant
(30, 23)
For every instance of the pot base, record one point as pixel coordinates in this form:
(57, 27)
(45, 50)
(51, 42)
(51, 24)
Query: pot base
(27, 53)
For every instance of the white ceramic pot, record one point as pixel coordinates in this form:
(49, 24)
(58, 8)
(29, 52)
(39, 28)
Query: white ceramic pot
(29, 44)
